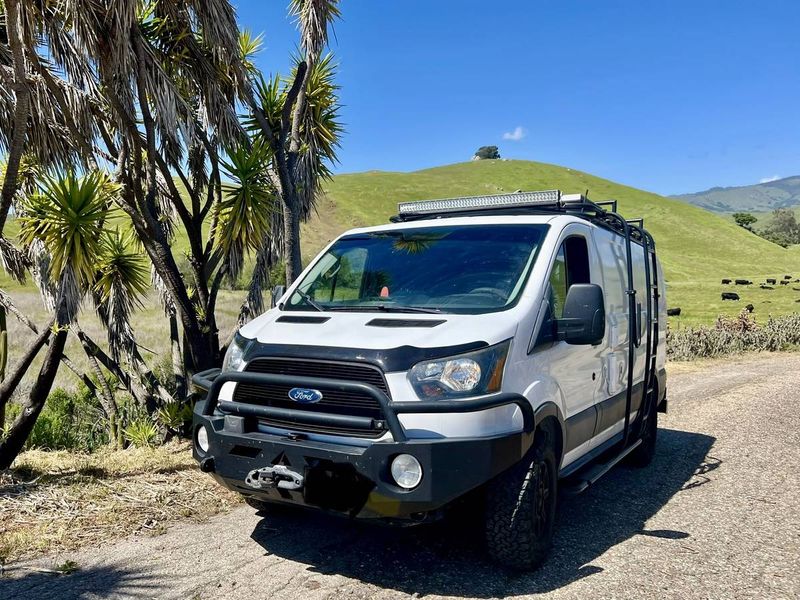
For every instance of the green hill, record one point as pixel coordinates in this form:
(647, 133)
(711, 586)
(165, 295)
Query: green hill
(697, 248)
(758, 198)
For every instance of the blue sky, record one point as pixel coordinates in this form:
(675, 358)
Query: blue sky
(671, 96)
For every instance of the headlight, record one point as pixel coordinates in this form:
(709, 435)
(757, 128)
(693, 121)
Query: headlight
(473, 374)
(234, 357)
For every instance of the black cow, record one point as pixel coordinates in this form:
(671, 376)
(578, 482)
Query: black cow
(785, 282)
(743, 282)
(726, 281)
(673, 312)
(787, 276)
(772, 281)
(766, 287)
(730, 296)
(749, 308)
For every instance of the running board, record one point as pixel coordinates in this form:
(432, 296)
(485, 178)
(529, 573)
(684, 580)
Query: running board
(587, 479)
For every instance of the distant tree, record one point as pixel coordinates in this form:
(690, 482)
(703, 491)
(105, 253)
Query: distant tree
(745, 220)
(487, 152)
(783, 229)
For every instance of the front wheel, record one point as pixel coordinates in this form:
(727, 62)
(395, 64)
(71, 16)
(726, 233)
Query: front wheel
(521, 507)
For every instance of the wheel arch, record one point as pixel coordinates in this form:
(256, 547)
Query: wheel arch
(549, 413)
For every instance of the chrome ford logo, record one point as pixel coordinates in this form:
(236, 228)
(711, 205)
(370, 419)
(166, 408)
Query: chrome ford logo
(305, 396)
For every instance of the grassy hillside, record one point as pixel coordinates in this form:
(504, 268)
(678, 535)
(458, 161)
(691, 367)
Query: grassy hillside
(758, 198)
(697, 248)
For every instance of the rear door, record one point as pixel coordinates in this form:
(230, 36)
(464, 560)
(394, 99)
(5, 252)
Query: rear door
(612, 395)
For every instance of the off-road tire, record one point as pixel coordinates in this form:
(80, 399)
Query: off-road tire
(644, 453)
(521, 507)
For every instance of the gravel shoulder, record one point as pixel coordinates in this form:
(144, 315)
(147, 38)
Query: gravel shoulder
(717, 515)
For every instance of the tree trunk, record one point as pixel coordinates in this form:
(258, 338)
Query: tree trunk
(105, 395)
(22, 92)
(178, 368)
(159, 395)
(291, 238)
(3, 360)
(134, 387)
(19, 431)
(10, 385)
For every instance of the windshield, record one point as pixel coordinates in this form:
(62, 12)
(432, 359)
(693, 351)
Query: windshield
(466, 269)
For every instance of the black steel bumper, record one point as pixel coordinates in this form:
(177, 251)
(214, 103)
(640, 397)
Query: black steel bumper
(351, 479)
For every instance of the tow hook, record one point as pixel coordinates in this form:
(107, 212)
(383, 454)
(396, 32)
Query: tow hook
(276, 476)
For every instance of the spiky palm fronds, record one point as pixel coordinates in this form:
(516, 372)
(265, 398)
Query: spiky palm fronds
(67, 216)
(245, 213)
(314, 18)
(14, 262)
(249, 46)
(121, 283)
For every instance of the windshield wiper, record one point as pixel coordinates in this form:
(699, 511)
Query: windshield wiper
(309, 300)
(408, 309)
(384, 308)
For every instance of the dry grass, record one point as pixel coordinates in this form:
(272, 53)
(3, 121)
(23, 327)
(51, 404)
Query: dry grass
(63, 500)
(149, 323)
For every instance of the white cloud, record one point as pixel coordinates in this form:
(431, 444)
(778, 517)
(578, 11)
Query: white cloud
(769, 179)
(516, 135)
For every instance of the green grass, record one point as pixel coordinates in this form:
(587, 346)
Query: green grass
(697, 248)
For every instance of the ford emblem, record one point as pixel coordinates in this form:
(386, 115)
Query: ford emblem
(305, 395)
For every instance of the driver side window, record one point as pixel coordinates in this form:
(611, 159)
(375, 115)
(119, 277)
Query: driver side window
(570, 266)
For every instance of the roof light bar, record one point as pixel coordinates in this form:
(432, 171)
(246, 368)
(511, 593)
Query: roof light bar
(477, 202)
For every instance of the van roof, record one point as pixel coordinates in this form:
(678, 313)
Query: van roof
(471, 220)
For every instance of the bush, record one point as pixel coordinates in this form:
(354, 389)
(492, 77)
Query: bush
(175, 416)
(733, 336)
(69, 421)
(142, 433)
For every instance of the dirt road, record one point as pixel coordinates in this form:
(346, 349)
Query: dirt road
(717, 515)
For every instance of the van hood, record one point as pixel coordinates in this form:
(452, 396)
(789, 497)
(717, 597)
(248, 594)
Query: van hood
(378, 331)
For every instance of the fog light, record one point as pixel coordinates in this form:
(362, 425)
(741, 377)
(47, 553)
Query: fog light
(406, 471)
(202, 438)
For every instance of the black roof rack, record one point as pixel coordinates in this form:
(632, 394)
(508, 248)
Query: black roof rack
(544, 202)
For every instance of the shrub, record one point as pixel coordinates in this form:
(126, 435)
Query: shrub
(69, 421)
(142, 433)
(733, 335)
(175, 416)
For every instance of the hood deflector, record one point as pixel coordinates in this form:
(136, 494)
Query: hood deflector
(405, 322)
(299, 319)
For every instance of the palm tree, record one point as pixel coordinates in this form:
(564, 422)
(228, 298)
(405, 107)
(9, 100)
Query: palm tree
(301, 143)
(152, 87)
(74, 256)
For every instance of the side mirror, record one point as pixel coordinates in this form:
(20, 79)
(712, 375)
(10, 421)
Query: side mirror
(277, 292)
(584, 316)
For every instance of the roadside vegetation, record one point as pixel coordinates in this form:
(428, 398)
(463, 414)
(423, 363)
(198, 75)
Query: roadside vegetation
(120, 123)
(734, 335)
(62, 500)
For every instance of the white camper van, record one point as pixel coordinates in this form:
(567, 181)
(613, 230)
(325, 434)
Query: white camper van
(497, 345)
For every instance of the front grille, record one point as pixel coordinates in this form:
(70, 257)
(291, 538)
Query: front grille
(333, 401)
